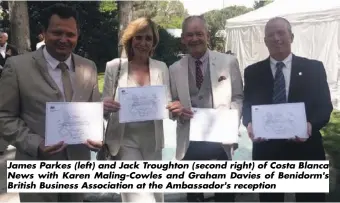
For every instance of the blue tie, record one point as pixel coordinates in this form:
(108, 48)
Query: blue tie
(279, 93)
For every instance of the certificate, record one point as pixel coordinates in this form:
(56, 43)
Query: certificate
(214, 125)
(169, 130)
(142, 104)
(73, 122)
(279, 121)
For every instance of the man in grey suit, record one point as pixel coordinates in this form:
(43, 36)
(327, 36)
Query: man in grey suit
(50, 74)
(203, 79)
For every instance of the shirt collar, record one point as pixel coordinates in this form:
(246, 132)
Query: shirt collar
(54, 62)
(286, 61)
(5, 45)
(203, 58)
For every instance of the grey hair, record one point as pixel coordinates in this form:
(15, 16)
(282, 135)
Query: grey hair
(5, 34)
(190, 18)
(283, 19)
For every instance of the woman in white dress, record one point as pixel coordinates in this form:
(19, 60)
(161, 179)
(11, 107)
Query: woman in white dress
(136, 140)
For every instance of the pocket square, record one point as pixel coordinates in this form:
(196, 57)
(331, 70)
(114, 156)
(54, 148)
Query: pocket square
(221, 78)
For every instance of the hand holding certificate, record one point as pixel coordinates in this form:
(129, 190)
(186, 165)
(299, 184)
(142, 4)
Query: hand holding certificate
(142, 103)
(279, 121)
(214, 125)
(73, 122)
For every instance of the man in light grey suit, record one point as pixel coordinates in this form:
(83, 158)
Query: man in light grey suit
(50, 74)
(204, 79)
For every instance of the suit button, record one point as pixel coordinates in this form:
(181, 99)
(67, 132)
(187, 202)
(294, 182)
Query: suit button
(200, 97)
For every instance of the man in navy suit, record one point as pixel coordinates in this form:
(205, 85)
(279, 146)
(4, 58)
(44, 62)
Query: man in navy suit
(286, 78)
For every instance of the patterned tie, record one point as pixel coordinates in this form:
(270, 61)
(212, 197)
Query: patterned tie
(199, 74)
(66, 79)
(279, 93)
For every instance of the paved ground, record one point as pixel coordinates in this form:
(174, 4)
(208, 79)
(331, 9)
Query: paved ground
(243, 153)
(94, 197)
(5, 197)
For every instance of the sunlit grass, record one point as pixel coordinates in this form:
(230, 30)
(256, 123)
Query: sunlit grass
(100, 81)
(331, 138)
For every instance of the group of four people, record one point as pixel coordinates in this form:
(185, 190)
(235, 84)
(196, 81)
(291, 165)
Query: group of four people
(202, 79)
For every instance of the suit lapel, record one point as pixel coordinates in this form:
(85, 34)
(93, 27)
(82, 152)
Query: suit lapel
(267, 81)
(294, 79)
(7, 47)
(42, 66)
(124, 73)
(214, 71)
(79, 77)
(182, 82)
(154, 72)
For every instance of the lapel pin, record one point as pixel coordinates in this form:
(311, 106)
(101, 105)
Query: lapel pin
(300, 73)
(221, 78)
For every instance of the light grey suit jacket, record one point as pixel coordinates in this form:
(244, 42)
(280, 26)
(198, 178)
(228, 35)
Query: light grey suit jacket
(159, 75)
(227, 92)
(25, 87)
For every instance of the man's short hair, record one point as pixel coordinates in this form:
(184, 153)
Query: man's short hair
(190, 18)
(4, 33)
(61, 10)
(289, 26)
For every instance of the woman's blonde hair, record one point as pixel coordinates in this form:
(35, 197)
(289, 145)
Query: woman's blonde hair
(134, 27)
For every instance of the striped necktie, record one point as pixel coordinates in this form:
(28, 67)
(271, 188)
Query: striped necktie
(279, 91)
(66, 79)
(199, 74)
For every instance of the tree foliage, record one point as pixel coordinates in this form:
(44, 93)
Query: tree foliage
(168, 48)
(99, 25)
(167, 14)
(261, 3)
(98, 28)
(216, 20)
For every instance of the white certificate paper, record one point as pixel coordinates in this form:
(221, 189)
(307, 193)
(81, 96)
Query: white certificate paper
(214, 125)
(73, 122)
(279, 121)
(142, 103)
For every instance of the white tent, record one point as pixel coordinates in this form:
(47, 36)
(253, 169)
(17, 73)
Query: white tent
(315, 24)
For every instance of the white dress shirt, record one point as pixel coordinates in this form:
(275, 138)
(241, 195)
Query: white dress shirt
(40, 44)
(55, 72)
(3, 50)
(204, 66)
(287, 69)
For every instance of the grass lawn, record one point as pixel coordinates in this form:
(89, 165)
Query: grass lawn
(100, 81)
(331, 137)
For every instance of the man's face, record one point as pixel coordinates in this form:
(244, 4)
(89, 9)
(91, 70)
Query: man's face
(61, 37)
(195, 37)
(278, 37)
(3, 39)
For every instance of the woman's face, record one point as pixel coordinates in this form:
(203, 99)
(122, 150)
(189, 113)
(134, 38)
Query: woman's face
(142, 43)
